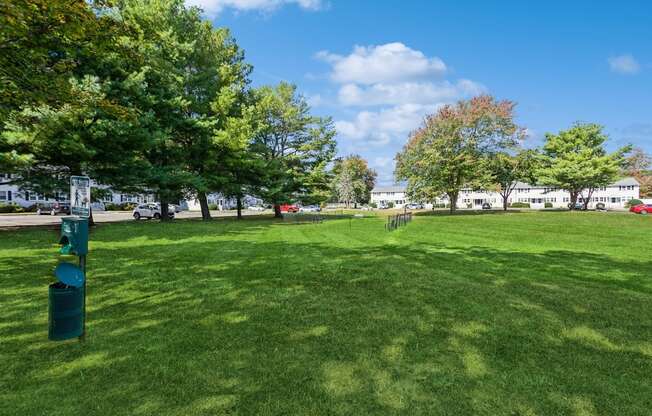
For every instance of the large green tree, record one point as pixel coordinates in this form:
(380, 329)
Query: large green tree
(576, 160)
(353, 180)
(157, 50)
(294, 145)
(448, 151)
(216, 79)
(42, 44)
(65, 119)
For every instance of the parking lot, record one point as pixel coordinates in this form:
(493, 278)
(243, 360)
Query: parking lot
(26, 220)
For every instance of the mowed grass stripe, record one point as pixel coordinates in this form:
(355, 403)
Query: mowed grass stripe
(515, 314)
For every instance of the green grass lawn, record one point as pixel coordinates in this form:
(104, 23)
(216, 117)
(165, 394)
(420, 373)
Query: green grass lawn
(494, 314)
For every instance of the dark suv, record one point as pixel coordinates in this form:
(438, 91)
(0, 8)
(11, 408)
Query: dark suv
(53, 208)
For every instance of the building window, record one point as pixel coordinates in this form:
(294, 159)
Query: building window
(3, 195)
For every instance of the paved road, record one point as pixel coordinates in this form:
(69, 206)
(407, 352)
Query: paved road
(27, 220)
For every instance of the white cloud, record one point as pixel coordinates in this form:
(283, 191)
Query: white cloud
(624, 64)
(315, 100)
(384, 167)
(392, 62)
(214, 7)
(394, 87)
(379, 128)
(408, 92)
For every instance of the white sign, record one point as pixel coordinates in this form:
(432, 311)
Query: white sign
(80, 196)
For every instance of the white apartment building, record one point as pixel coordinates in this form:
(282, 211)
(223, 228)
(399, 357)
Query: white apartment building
(614, 196)
(383, 195)
(12, 194)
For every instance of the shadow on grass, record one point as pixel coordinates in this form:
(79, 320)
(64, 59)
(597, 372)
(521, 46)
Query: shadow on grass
(248, 319)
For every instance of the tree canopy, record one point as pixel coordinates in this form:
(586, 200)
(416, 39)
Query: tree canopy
(146, 96)
(576, 160)
(294, 145)
(447, 152)
(353, 180)
(507, 169)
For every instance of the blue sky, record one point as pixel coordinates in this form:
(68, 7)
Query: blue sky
(378, 66)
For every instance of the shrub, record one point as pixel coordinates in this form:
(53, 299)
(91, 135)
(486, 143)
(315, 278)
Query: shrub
(31, 208)
(633, 202)
(7, 208)
(469, 205)
(125, 206)
(439, 206)
(212, 207)
(519, 205)
(548, 205)
(390, 204)
(373, 205)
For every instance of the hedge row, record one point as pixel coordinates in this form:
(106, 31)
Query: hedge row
(14, 208)
(125, 206)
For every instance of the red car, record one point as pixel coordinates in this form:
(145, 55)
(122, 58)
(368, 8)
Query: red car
(289, 208)
(641, 209)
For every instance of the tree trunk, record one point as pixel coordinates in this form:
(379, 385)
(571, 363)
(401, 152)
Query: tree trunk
(203, 204)
(238, 200)
(573, 200)
(91, 221)
(587, 200)
(165, 211)
(453, 202)
(505, 203)
(277, 211)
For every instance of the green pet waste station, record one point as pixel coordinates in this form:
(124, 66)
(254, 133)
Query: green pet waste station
(67, 297)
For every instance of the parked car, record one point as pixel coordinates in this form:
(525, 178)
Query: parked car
(289, 208)
(486, 205)
(53, 208)
(256, 208)
(310, 208)
(642, 209)
(150, 211)
(414, 206)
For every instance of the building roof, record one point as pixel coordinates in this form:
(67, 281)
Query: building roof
(622, 182)
(626, 181)
(401, 188)
(395, 188)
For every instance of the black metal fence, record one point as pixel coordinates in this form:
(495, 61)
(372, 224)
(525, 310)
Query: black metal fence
(303, 218)
(398, 220)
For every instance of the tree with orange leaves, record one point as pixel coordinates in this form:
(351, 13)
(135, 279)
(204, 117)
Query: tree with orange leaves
(450, 150)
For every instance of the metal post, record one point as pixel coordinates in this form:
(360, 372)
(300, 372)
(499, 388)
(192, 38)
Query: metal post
(82, 266)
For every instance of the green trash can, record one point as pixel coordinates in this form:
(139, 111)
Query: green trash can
(66, 311)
